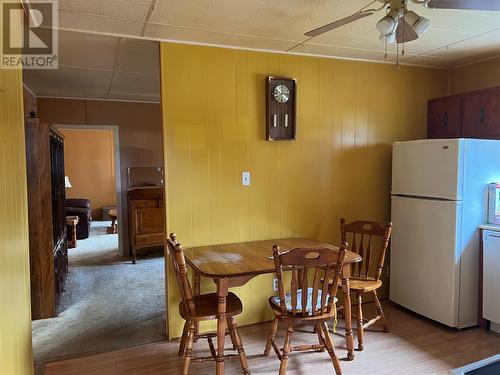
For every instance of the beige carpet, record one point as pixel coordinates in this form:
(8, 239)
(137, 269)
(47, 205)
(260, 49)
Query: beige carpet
(108, 302)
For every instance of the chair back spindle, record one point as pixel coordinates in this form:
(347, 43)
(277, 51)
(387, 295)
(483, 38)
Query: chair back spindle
(362, 235)
(314, 297)
(181, 273)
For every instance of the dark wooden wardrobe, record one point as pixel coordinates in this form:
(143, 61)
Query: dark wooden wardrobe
(46, 217)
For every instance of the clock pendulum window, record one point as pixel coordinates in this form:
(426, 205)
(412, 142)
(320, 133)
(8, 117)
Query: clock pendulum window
(280, 108)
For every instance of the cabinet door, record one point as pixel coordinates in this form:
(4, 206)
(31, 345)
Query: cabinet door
(149, 220)
(481, 114)
(445, 118)
(149, 226)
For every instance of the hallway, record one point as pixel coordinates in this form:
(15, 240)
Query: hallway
(108, 303)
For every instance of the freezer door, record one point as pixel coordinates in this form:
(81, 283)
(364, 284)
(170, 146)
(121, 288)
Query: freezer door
(424, 266)
(428, 168)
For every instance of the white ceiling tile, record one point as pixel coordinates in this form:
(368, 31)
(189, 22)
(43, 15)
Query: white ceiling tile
(454, 20)
(136, 57)
(77, 21)
(343, 52)
(119, 27)
(124, 9)
(179, 12)
(218, 23)
(282, 13)
(343, 40)
(79, 49)
(427, 61)
(142, 2)
(65, 78)
(290, 33)
(443, 37)
(139, 56)
(135, 83)
(260, 29)
(238, 10)
(329, 11)
(80, 6)
(478, 47)
(416, 47)
(203, 36)
(166, 32)
(158, 31)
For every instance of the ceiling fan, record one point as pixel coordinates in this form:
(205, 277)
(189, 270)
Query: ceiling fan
(400, 24)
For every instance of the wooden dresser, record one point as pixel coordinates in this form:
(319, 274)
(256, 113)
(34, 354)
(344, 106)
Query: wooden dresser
(46, 217)
(146, 214)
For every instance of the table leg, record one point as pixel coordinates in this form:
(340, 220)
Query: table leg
(73, 235)
(222, 291)
(346, 292)
(196, 290)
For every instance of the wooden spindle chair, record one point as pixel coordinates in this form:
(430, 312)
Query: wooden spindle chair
(364, 277)
(194, 309)
(314, 306)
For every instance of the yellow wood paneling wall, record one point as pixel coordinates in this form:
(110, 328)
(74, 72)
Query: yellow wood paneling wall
(474, 77)
(15, 310)
(349, 113)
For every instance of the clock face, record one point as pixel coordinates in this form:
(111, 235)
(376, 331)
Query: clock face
(281, 94)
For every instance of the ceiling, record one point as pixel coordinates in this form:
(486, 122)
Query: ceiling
(93, 66)
(455, 37)
(126, 64)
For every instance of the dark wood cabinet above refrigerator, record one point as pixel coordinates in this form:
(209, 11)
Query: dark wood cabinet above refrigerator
(474, 114)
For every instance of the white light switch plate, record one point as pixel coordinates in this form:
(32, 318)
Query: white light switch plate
(245, 178)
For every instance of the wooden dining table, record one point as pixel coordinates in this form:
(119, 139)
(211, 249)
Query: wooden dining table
(232, 265)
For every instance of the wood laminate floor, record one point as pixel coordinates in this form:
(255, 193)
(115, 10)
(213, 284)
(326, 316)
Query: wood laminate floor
(414, 346)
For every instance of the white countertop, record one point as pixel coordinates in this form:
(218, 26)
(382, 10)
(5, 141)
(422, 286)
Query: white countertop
(490, 227)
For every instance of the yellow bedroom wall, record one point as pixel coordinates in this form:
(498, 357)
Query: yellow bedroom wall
(475, 77)
(349, 113)
(15, 313)
(90, 152)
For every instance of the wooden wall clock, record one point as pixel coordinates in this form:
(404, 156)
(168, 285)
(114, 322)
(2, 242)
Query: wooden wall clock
(281, 107)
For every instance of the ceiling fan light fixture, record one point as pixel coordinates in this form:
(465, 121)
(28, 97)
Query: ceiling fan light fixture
(389, 38)
(422, 25)
(387, 25)
(418, 23)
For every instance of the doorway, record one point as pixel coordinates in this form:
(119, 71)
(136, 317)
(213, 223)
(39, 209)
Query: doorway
(93, 168)
(108, 303)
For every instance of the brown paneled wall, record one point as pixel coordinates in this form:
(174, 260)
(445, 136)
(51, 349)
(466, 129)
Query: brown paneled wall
(140, 126)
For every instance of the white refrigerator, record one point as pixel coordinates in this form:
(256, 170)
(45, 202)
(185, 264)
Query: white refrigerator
(439, 198)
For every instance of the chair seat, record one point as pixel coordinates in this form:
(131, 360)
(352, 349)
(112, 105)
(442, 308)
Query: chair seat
(364, 285)
(275, 301)
(206, 307)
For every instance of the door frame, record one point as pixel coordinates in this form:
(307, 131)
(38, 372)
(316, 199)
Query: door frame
(118, 178)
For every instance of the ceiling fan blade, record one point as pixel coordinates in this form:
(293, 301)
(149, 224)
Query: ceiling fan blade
(464, 4)
(404, 32)
(339, 23)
